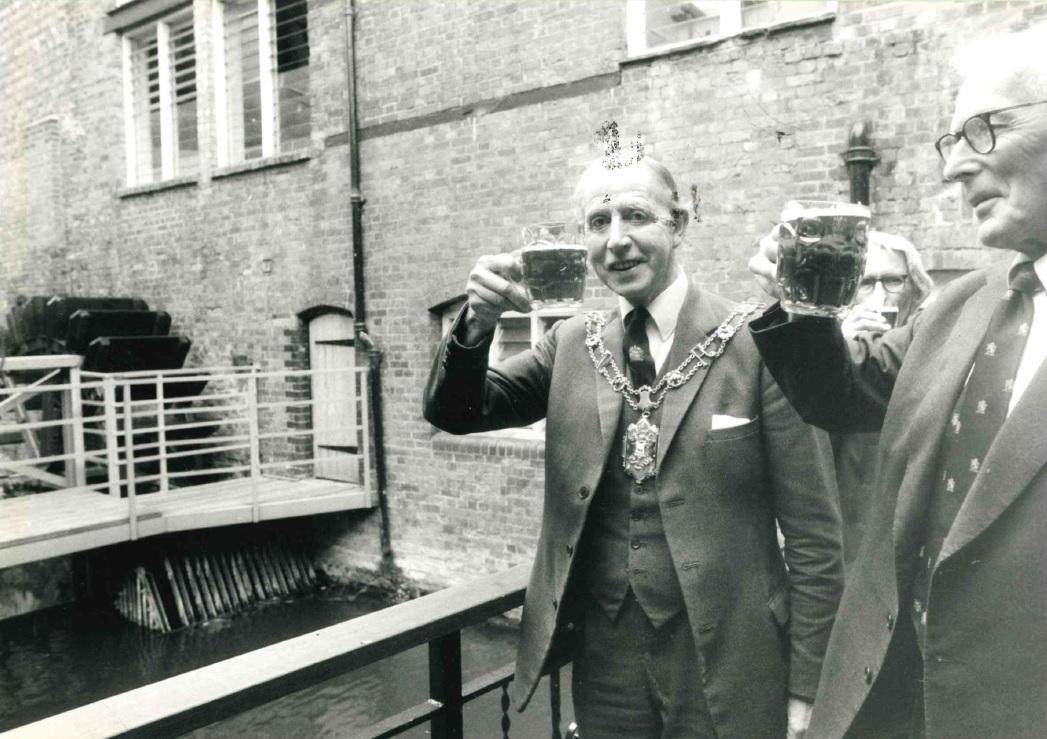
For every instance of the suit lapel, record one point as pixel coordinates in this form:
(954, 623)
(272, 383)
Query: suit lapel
(1016, 455)
(608, 402)
(696, 321)
(939, 385)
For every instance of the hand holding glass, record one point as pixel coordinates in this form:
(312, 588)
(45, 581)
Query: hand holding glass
(821, 255)
(553, 263)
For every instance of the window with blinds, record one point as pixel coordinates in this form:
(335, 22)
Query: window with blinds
(518, 332)
(654, 24)
(263, 86)
(160, 101)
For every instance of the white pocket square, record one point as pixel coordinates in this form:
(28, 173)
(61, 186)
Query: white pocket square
(727, 422)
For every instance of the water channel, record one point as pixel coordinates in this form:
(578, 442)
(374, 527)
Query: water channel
(63, 657)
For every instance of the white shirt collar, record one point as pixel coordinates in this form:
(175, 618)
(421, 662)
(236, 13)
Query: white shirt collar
(665, 308)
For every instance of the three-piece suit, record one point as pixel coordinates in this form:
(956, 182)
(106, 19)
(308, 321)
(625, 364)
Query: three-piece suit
(759, 630)
(984, 666)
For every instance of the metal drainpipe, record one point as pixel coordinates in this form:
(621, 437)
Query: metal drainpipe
(374, 354)
(859, 158)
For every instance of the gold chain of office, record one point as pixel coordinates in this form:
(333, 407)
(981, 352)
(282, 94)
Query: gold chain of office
(646, 398)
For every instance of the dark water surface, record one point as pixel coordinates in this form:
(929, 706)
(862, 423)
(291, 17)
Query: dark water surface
(54, 660)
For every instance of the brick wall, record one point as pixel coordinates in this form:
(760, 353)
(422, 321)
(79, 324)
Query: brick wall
(453, 160)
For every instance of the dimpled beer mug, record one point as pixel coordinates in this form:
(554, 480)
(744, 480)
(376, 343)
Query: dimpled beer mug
(821, 255)
(553, 263)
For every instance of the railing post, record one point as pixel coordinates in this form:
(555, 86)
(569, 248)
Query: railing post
(74, 411)
(112, 442)
(161, 432)
(364, 425)
(445, 685)
(129, 442)
(255, 450)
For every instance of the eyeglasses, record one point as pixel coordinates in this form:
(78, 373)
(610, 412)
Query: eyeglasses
(892, 283)
(978, 132)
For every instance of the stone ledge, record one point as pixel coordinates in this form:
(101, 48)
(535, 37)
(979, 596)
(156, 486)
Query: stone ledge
(255, 165)
(708, 43)
(522, 443)
(152, 187)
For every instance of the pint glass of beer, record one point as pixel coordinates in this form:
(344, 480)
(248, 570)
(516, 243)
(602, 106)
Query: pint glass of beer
(821, 255)
(553, 263)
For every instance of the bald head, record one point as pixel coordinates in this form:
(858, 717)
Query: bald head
(597, 176)
(1017, 60)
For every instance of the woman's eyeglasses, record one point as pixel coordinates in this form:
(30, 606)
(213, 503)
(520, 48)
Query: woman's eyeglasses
(892, 284)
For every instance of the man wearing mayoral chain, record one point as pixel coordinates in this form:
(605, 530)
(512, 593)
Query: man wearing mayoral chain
(670, 455)
(942, 630)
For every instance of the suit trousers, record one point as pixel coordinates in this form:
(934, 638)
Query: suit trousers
(633, 681)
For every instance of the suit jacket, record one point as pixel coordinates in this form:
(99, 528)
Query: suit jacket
(719, 492)
(985, 666)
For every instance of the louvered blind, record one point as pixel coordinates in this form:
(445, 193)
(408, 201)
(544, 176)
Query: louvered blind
(291, 46)
(146, 95)
(267, 85)
(163, 101)
(183, 72)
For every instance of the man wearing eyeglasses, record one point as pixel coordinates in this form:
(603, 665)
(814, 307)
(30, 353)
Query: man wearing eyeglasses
(945, 609)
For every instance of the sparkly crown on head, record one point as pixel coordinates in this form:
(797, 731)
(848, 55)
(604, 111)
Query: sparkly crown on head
(607, 134)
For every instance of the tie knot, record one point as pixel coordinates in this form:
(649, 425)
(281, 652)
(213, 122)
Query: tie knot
(636, 319)
(1024, 279)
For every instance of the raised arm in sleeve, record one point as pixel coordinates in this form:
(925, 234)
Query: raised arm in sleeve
(832, 385)
(464, 395)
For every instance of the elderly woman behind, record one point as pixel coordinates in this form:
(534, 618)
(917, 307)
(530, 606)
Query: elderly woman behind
(893, 289)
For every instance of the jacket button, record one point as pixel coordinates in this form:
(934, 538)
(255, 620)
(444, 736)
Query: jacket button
(868, 676)
(570, 550)
(890, 621)
(635, 544)
(569, 626)
(583, 492)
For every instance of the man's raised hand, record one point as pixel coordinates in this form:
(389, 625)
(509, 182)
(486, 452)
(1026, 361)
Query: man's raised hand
(764, 263)
(493, 288)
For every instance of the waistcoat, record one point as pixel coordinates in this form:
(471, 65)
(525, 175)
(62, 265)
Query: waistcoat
(624, 544)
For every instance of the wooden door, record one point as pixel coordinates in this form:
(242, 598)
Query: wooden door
(336, 412)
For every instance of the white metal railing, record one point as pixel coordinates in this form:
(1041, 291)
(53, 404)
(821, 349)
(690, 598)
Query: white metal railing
(131, 433)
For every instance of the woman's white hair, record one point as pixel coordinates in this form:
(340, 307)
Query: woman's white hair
(922, 281)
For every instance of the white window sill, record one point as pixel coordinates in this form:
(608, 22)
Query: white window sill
(524, 443)
(704, 43)
(255, 165)
(152, 187)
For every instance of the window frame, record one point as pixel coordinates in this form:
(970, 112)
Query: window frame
(130, 39)
(730, 25)
(535, 430)
(268, 87)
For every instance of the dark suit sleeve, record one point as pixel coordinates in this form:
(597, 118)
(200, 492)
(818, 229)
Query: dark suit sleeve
(807, 508)
(464, 395)
(833, 386)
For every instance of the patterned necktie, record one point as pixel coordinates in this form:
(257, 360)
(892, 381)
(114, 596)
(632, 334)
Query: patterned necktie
(637, 349)
(976, 418)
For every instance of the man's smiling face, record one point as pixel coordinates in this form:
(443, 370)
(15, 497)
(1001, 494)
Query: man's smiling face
(630, 230)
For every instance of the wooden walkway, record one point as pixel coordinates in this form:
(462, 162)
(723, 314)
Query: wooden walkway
(58, 522)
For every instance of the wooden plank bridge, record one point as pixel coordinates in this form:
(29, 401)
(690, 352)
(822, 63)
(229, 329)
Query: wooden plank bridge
(133, 455)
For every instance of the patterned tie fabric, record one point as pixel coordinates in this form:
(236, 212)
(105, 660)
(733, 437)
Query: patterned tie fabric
(637, 349)
(976, 418)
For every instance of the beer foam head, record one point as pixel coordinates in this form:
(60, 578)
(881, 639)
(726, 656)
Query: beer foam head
(818, 208)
